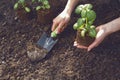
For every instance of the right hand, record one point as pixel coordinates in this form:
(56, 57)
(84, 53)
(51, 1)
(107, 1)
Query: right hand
(61, 22)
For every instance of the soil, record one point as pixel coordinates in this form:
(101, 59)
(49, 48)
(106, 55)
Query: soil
(35, 53)
(64, 62)
(45, 16)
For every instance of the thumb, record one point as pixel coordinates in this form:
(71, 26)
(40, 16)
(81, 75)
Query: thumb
(94, 44)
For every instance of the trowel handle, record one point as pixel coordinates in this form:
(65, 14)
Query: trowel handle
(54, 34)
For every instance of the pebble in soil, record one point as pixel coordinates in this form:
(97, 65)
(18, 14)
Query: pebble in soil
(35, 53)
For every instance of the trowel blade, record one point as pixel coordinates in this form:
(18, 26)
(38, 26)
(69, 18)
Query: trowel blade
(46, 42)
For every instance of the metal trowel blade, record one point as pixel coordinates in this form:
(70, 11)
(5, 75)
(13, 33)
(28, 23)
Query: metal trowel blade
(46, 42)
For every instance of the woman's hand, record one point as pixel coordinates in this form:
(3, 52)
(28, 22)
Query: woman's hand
(61, 21)
(102, 32)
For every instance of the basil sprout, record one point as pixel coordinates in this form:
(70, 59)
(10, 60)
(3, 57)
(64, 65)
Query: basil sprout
(85, 23)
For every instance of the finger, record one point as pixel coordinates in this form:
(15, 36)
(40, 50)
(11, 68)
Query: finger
(60, 26)
(75, 43)
(92, 45)
(55, 24)
(81, 46)
(97, 29)
(95, 43)
(64, 26)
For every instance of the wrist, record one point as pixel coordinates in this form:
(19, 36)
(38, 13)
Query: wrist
(113, 26)
(70, 6)
(67, 11)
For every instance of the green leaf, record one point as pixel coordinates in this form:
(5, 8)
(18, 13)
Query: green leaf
(91, 15)
(81, 6)
(88, 6)
(92, 27)
(47, 6)
(90, 22)
(27, 9)
(75, 26)
(21, 1)
(53, 34)
(39, 1)
(80, 22)
(78, 10)
(83, 13)
(45, 2)
(92, 33)
(43, 7)
(33, 1)
(83, 32)
(38, 8)
(16, 6)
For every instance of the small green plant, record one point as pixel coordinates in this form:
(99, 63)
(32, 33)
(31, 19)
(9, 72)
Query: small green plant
(21, 4)
(85, 22)
(43, 4)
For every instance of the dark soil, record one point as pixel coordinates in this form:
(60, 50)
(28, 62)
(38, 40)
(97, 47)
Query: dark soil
(35, 53)
(64, 62)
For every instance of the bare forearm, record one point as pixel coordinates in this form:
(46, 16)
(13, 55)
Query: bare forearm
(113, 26)
(71, 5)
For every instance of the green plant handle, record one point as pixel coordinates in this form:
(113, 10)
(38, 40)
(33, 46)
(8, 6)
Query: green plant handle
(53, 34)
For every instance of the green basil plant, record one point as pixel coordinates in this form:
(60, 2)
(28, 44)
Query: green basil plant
(22, 4)
(85, 22)
(44, 4)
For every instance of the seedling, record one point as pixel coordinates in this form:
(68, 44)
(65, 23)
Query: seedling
(21, 4)
(43, 4)
(85, 22)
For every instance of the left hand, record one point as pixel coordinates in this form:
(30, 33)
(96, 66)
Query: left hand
(101, 34)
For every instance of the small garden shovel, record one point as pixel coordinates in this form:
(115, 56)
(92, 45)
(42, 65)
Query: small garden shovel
(48, 42)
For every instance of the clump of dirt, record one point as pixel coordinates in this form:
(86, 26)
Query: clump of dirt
(84, 41)
(35, 53)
